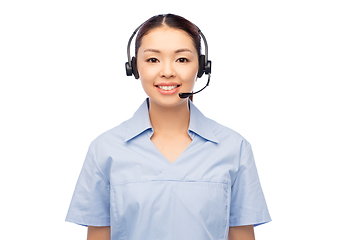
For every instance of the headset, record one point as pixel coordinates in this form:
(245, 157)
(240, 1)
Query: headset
(204, 63)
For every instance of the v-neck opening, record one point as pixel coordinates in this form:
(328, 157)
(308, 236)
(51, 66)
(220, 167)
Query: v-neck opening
(190, 133)
(176, 160)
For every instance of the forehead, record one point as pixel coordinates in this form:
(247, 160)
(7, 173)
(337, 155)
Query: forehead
(167, 38)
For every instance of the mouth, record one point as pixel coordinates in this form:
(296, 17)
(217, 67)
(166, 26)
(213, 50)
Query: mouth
(167, 88)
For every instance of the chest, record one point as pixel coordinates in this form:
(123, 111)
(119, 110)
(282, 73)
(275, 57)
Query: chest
(148, 190)
(171, 147)
(151, 157)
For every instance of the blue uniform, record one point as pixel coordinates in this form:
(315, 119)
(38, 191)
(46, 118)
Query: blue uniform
(126, 183)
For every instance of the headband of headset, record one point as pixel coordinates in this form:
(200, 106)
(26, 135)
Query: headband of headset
(131, 65)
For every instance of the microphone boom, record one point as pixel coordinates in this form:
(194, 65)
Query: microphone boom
(185, 95)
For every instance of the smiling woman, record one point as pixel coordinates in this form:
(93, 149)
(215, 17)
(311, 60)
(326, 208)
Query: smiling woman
(169, 172)
(167, 62)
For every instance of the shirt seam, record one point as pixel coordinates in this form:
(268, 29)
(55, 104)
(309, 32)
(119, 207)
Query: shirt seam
(97, 165)
(87, 220)
(166, 180)
(256, 218)
(241, 153)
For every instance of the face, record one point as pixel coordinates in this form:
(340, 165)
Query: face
(167, 62)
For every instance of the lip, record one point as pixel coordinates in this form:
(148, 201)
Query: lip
(167, 84)
(168, 92)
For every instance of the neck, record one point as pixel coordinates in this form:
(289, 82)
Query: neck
(169, 120)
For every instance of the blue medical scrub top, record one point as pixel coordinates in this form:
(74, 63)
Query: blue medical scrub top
(126, 183)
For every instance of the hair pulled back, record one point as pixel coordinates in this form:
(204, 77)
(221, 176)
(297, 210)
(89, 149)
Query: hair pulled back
(172, 21)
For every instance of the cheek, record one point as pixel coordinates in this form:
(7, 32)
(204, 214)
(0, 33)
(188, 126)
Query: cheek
(144, 72)
(190, 74)
(148, 75)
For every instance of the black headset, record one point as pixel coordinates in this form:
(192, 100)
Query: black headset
(204, 63)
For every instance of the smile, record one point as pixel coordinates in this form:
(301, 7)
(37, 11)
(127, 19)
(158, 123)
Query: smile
(168, 88)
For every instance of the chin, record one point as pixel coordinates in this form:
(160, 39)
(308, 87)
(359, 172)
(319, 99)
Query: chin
(168, 101)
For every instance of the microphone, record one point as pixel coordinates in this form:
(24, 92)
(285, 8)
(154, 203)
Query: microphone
(185, 95)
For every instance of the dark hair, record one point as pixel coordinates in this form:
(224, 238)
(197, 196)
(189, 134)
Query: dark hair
(172, 21)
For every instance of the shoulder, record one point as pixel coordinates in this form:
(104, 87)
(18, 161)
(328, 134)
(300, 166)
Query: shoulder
(111, 137)
(106, 144)
(227, 135)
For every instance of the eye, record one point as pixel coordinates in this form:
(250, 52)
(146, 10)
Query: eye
(182, 60)
(152, 60)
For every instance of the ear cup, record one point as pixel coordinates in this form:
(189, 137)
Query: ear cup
(134, 67)
(201, 66)
(128, 69)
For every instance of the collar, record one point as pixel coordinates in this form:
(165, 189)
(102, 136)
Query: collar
(140, 122)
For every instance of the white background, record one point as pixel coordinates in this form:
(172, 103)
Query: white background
(285, 76)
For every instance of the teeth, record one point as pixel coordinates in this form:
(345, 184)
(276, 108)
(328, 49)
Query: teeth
(167, 88)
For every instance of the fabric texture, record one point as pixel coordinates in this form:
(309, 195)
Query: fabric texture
(126, 183)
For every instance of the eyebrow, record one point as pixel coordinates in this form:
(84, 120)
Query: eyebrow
(183, 50)
(177, 51)
(152, 50)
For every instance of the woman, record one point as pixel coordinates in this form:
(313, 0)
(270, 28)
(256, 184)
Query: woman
(169, 172)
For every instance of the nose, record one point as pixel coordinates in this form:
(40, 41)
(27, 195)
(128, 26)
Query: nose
(167, 70)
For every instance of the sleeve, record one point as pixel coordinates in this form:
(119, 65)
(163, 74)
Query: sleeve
(90, 204)
(248, 206)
